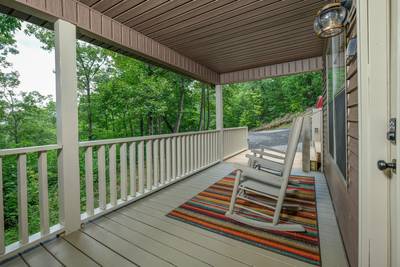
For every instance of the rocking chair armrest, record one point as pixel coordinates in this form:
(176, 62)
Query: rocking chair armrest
(266, 163)
(261, 176)
(266, 154)
(273, 149)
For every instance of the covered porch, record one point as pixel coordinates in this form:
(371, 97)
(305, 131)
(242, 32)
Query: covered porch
(141, 179)
(141, 234)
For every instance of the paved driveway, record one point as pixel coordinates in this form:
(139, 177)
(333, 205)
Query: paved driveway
(268, 138)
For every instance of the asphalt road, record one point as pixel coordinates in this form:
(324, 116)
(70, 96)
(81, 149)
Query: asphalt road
(270, 138)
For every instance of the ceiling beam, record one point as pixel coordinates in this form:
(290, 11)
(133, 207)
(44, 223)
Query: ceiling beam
(281, 69)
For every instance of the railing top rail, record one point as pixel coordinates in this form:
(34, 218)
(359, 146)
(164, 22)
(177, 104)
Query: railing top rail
(26, 150)
(138, 138)
(235, 128)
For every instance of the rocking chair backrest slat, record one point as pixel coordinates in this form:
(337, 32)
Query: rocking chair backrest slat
(290, 155)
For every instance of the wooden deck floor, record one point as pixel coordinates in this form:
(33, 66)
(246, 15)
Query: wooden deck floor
(140, 234)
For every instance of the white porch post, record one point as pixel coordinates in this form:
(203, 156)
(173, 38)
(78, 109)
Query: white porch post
(220, 119)
(67, 125)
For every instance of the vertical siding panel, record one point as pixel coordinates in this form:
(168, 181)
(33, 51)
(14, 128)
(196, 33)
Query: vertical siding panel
(69, 11)
(106, 29)
(83, 16)
(126, 36)
(95, 22)
(54, 7)
(116, 32)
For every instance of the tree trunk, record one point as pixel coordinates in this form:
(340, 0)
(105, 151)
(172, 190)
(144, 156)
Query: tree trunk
(201, 121)
(181, 106)
(141, 127)
(169, 126)
(89, 109)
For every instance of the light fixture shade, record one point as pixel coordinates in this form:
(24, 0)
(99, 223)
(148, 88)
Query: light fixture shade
(330, 20)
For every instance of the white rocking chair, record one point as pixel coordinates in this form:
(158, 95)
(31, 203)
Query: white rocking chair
(249, 180)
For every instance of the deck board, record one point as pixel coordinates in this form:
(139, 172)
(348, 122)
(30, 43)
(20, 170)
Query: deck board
(142, 234)
(39, 257)
(94, 249)
(153, 242)
(15, 262)
(68, 254)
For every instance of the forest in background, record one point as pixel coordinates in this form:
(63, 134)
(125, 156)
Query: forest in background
(120, 96)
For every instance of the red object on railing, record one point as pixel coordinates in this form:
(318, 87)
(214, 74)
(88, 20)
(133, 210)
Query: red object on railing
(320, 102)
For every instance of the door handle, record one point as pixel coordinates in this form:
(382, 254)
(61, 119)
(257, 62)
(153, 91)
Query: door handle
(383, 165)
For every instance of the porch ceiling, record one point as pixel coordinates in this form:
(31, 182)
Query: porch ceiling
(224, 35)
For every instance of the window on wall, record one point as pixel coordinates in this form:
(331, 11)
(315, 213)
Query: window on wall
(336, 77)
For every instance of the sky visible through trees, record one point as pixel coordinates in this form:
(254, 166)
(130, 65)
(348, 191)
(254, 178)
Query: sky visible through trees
(120, 96)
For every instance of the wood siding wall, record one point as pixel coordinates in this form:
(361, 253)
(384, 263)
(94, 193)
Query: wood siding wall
(103, 29)
(345, 196)
(282, 69)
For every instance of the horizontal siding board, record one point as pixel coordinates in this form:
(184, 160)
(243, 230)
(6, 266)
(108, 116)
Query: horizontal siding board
(353, 129)
(352, 114)
(352, 98)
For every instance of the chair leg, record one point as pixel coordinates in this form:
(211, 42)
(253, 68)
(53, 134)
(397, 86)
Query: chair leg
(234, 192)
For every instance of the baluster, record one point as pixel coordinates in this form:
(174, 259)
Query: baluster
(156, 161)
(162, 161)
(187, 156)
(141, 167)
(113, 175)
(203, 142)
(191, 153)
(208, 148)
(43, 193)
(179, 156)
(198, 151)
(132, 168)
(124, 171)
(212, 147)
(173, 158)
(149, 166)
(169, 159)
(22, 200)
(2, 244)
(183, 155)
(89, 181)
(101, 161)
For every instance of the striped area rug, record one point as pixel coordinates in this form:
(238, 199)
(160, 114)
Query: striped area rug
(207, 210)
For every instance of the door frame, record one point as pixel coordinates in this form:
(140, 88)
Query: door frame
(395, 183)
(373, 41)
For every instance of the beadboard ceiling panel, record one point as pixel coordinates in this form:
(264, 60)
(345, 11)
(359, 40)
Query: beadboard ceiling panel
(224, 35)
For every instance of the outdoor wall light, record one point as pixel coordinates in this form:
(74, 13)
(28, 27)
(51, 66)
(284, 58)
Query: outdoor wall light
(331, 19)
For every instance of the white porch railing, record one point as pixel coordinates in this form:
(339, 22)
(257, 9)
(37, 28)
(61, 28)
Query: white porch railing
(116, 172)
(138, 166)
(46, 231)
(235, 141)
